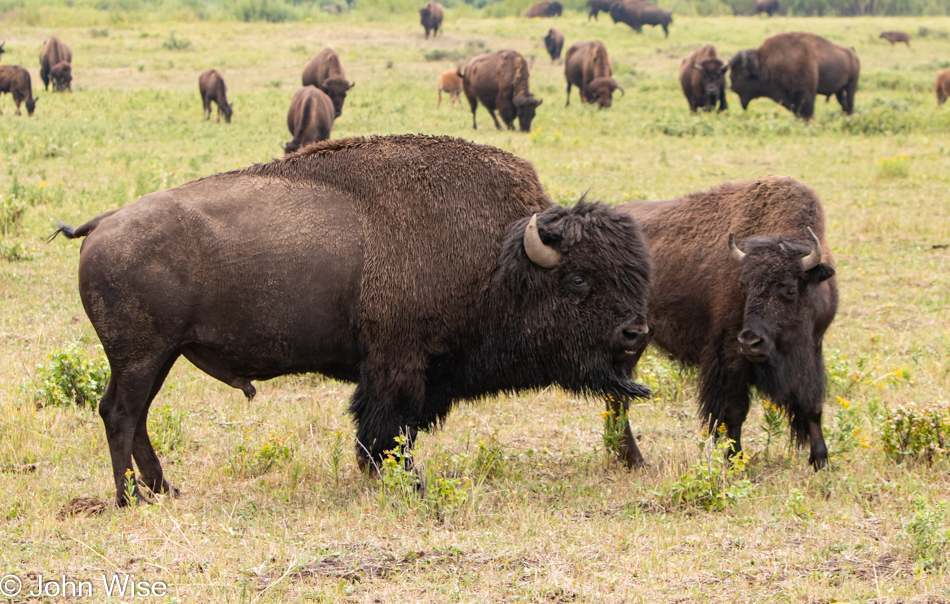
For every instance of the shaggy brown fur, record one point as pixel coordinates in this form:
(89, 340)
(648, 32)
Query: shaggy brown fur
(450, 81)
(500, 81)
(395, 262)
(212, 88)
(703, 79)
(431, 18)
(325, 71)
(792, 68)
(759, 322)
(943, 86)
(770, 7)
(896, 36)
(554, 42)
(588, 67)
(16, 80)
(637, 13)
(545, 9)
(61, 76)
(310, 118)
(53, 52)
(598, 6)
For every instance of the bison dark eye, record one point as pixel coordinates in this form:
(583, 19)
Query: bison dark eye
(578, 285)
(790, 293)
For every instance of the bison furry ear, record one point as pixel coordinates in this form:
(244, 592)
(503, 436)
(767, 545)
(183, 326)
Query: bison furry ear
(820, 273)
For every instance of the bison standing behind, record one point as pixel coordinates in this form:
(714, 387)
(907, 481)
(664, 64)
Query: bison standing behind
(598, 6)
(637, 13)
(943, 86)
(769, 7)
(500, 81)
(310, 118)
(792, 68)
(744, 287)
(212, 88)
(553, 43)
(703, 78)
(431, 18)
(325, 71)
(16, 80)
(427, 270)
(545, 9)
(53, 53)
(587, 66)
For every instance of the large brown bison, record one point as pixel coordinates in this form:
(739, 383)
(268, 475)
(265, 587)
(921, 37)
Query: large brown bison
(637, 13)
(427, 270)
(769, 7)
(545, 9)
(310, 118)
(896, 36)
(500, 81)
(54, 51)
(587, 66)
(212, 88)
(703, 78)
(792, 68)
(431, 17)
(943, 86)
(598, 6)
(325, 71)
(450, 81)
(744, 288)
(16, 80)
(553, 43)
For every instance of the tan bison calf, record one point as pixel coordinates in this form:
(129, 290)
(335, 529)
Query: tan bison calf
(943, 86)
(450, 81)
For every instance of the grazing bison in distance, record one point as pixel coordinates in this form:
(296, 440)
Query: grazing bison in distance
(792, 68)
(450, 81)
(587, 66)
(310, 118)
(598, 6)
(545, 9)
(53, 52)
(427, 270)
(703, 78)
(769, 7)
(333, 9)
(431, 18)
(500, 81)
(744, 288)
(212, 88)
(554, 42)
(325, 71)
(16, 80)
(637, 13)
(896, 36)
(943, 86)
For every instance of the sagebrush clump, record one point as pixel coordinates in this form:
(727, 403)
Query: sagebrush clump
(71, 377)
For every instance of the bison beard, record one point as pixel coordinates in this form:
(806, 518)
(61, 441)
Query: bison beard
(369, 260)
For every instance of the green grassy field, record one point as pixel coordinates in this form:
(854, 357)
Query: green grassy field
(524, 501)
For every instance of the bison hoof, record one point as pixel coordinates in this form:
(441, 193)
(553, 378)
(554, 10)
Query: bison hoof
(819, 463)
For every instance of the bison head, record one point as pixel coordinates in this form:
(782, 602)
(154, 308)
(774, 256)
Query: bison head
(600, 91)
(571, 290)
(778, 277)
(712, 79)
(555, 9)
(228, 110)
(746, 76)
(336, 89)
(424, 14)
(31, 106)
(525, 105)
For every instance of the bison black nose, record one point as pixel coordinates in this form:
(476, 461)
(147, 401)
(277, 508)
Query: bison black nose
(631, 337)
(753, 346)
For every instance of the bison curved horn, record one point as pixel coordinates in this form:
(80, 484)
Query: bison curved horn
(697, 67)
(352, 84)
(543, 255)
(617, 86)
(814, 258)
(734, 251)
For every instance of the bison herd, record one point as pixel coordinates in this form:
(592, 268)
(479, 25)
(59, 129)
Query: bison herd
(429, 270)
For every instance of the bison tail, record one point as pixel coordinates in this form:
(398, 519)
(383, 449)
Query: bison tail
(67, 231)
(459, 73)
(80, 231)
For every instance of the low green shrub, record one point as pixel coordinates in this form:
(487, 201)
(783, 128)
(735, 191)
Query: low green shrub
(713, 482)
(912, 432)
(927, 534)
(251, 458)
(71, 377)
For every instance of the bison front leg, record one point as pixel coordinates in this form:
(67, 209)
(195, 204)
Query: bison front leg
(723, 103)
(628, 452)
